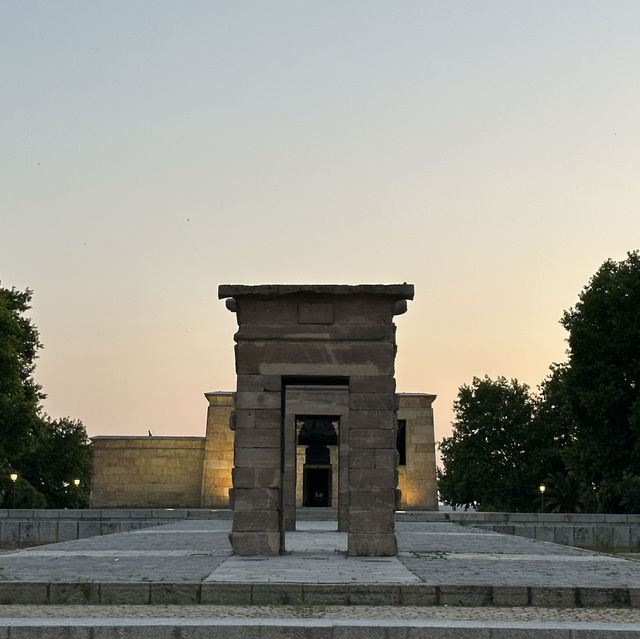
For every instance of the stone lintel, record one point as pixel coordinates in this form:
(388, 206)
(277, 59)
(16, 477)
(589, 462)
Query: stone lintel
(397, 291)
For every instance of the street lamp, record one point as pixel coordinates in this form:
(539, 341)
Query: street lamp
(14, 478)
(76, 483)
(595, 490)
(542, 489)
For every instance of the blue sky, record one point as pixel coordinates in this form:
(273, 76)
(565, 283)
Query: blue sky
(487, 152)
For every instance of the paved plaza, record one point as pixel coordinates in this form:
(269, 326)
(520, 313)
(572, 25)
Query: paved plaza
(445, 576)
(436, 554)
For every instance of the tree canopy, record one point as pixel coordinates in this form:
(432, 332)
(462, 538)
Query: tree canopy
(46, 454)
(495, 458)
(580, 434)
(19, 394)
(602, 379)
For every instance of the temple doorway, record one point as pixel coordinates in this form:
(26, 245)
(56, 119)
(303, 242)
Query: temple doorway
(317, 443)
(317, 486)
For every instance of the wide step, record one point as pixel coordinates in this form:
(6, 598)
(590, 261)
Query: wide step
(167, 628)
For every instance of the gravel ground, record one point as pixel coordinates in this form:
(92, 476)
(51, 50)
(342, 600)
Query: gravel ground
(613, 615)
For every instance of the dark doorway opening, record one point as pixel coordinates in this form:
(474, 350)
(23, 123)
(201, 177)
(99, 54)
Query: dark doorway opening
(401, 442)
(317, 433)
(317, 486)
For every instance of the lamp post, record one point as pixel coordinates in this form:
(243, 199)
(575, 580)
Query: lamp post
(76, 483)
(14, 478)
(542, 488)
(595, 490)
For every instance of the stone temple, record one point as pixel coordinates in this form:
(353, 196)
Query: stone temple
(315, 422)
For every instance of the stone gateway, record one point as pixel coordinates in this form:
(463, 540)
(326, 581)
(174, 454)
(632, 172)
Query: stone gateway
(315, 368)
(315, 422)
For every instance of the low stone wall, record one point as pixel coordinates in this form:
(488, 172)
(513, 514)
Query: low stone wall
(605, 533)
(593, 531)
(25, 527)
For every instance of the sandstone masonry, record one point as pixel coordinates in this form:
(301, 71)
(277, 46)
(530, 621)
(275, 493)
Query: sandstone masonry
(314, 422)
(337, 343)
(163, 472)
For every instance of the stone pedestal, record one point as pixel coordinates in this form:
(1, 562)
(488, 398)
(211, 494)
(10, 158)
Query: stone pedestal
(319, 337)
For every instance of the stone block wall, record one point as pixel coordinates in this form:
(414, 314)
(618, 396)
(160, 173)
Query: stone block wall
(218, 454)
(315, 334)
(417, 478)
(607, 533)
(131, 478)
(147, 472)
(593, 531)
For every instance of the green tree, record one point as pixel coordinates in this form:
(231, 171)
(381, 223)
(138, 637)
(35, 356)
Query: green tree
(556, 426)
(62, 453)
(19, 394)
(602, 381)
(493, 460)
(580, 436)
(46, 454)
(630, 493)
(563, 494)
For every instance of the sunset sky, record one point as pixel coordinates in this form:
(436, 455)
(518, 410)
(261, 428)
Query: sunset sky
(487, 152)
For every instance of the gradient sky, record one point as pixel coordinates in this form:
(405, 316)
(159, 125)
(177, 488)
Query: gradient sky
(488, 152)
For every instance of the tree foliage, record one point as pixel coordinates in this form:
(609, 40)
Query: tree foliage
(602, 381)
(19, 394)
(46, 454)
(580, 435)
(492, 460)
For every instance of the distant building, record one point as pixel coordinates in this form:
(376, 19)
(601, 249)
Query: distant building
(195, 472)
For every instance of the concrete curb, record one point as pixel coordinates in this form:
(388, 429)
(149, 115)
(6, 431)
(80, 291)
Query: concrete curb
(240, 628)
(311, 594)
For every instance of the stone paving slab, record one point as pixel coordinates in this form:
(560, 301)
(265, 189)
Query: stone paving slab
(450, 537)
(161, 628)
(313, 568)
(185, 550)
(439, 563)
(226, 611)
(312, 594)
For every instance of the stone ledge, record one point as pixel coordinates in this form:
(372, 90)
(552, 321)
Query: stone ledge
(309, 628)
(245, 594)
(399, 291)
(318, 333)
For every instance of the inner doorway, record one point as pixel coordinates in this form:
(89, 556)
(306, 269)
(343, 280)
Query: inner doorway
(317, 487)
(316, 420)
(317, 442)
